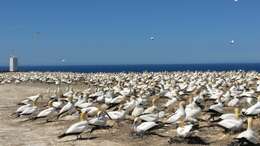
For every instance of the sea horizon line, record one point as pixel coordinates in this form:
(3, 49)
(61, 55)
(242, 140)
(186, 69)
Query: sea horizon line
(144, 64)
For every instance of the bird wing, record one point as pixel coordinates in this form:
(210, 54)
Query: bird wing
(145, 126)
(174, 117)
(77, 127)
(137, 111)
(230, 123)
(65, 108)
(97, 122)
(184, 131)
(227, 116)
(115, 114)
(249, 135)
(22, 108)
(28, 110)
(233, 102)
(217, 107)
(45, 112)
(85, 104)
(149, 117)
(254, 109)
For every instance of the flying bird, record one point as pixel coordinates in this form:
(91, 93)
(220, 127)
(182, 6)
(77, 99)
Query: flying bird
(63, 60)
(232, 42)
(151, 38)
(36, 35)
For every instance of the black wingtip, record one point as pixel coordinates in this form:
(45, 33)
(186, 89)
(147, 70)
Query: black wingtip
(215, 121)
(58, 116)
(61, 136)
(33, 118)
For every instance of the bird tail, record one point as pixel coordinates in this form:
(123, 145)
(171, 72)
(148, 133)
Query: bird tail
(33, 118)
(161, 124)
(20, 103)
(61, 136)
(215, 121)
(208, 126)
(14, 115)
(58, 116)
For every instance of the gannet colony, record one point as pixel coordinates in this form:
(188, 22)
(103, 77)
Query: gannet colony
(226, 104)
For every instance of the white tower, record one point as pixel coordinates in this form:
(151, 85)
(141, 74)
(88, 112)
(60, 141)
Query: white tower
(13, 63)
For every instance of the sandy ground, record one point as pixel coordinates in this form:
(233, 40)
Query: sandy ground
(16, 132)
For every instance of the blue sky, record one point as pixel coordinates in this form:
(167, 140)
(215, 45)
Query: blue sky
(118, 31)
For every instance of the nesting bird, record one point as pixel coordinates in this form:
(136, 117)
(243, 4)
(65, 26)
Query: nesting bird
(181, 103)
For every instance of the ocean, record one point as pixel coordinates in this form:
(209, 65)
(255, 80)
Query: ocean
(141, 68)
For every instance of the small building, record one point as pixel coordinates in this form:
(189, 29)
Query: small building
(13, 64)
